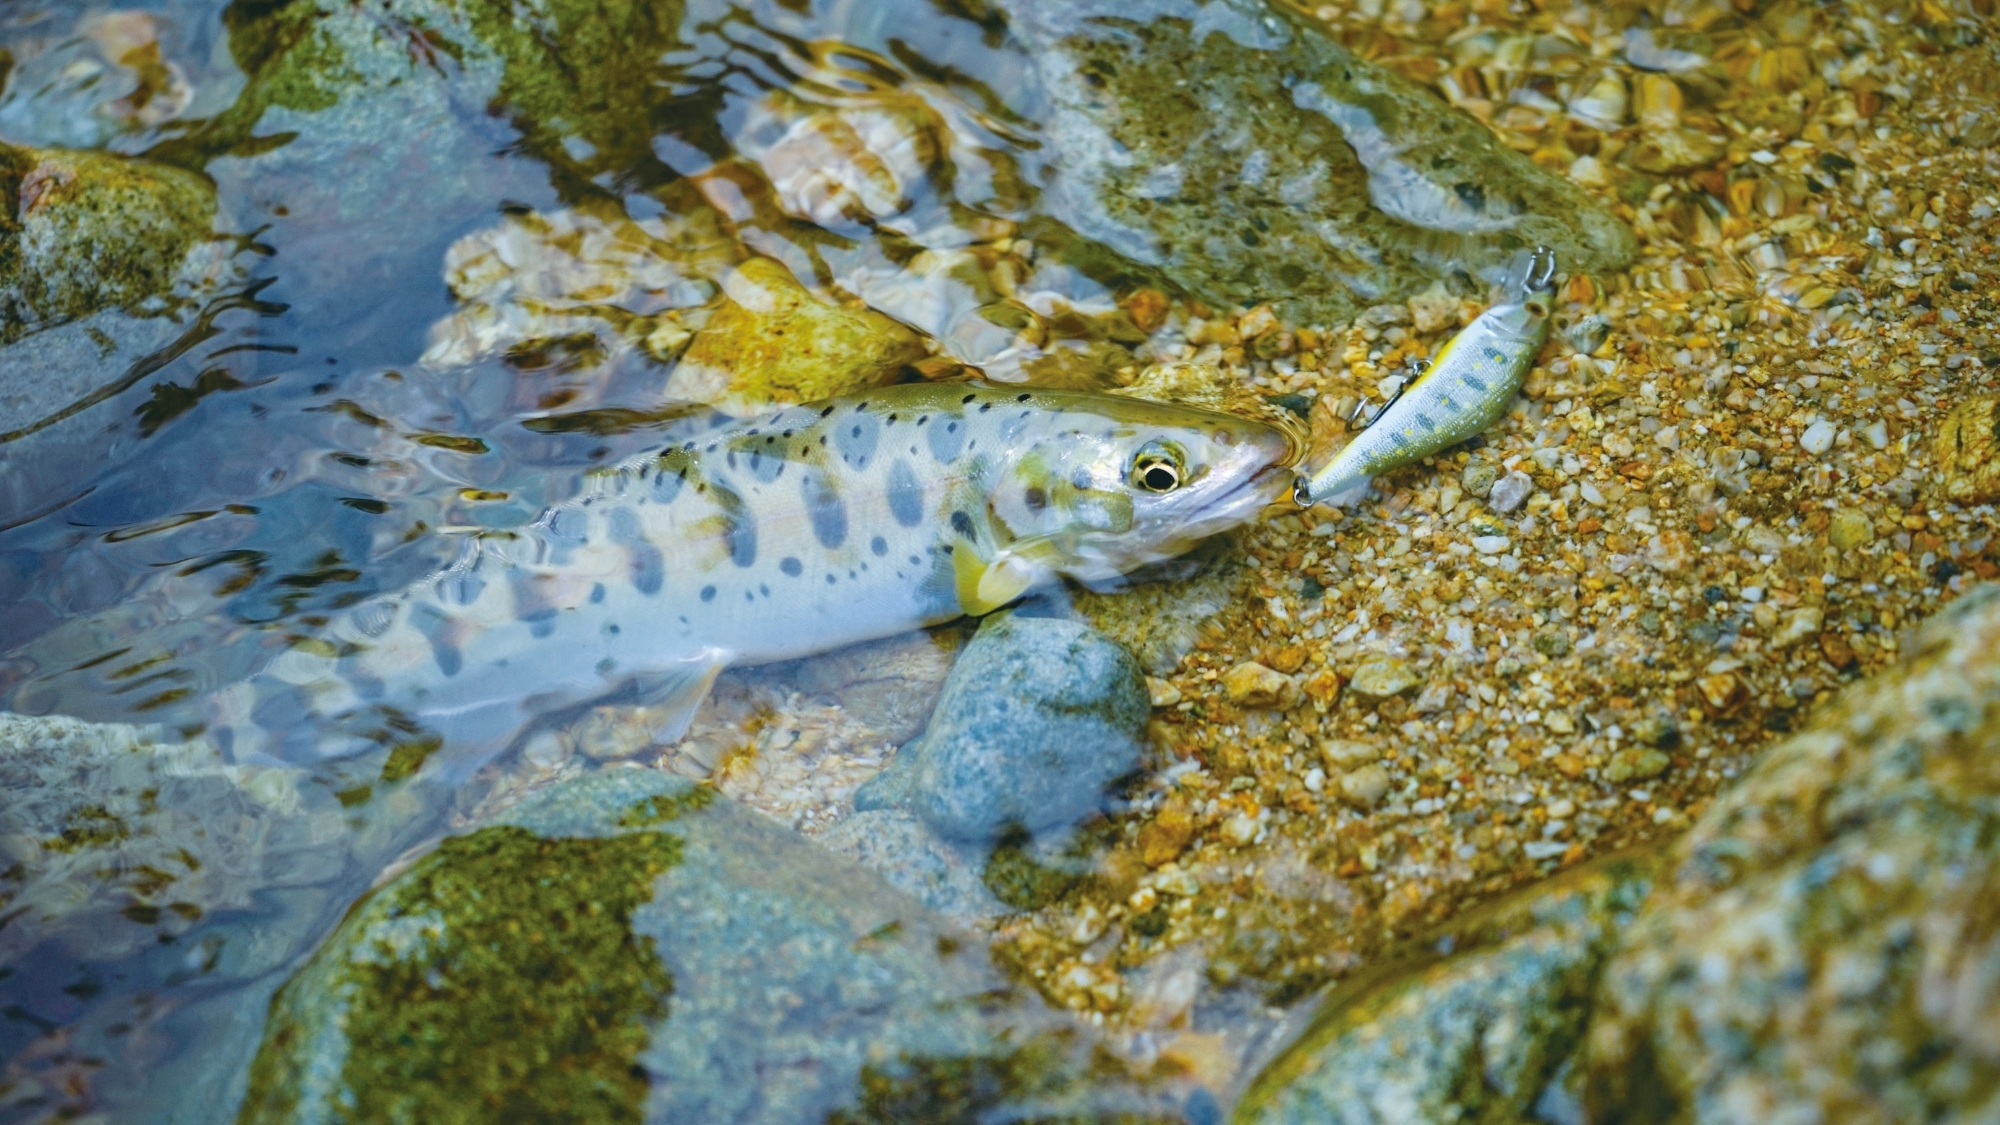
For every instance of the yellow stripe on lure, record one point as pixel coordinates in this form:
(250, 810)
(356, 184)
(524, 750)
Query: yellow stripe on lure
(1466, 389)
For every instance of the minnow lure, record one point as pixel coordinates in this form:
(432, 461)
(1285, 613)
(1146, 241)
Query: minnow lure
(1465, 390)
(746, 541)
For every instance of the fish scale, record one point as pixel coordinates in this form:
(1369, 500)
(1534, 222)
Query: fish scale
(750, 541)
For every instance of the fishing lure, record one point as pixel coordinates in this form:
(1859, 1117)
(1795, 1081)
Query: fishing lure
(1465, 389)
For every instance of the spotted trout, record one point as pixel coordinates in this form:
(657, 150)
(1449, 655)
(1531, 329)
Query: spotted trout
(745, 541)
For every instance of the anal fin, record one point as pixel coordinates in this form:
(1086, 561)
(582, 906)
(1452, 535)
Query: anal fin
(672, 694)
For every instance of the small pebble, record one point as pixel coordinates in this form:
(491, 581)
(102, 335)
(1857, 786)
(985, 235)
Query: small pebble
(1382, 677)
(1251, 684)
(1818, 437)
(1364, 786)
(1510, 492)
(1490, 544)
(1479, 477)
(1850, 528)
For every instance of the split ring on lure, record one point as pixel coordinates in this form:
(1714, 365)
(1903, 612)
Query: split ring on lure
(1465, 389)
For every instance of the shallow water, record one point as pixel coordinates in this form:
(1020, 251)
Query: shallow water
(457, 261)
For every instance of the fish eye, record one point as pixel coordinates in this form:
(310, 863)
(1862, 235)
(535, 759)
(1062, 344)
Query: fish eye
(1157, 468)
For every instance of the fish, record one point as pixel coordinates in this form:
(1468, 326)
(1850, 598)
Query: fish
(1465, 389)
(747, 541)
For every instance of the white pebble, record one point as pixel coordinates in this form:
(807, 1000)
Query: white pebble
(1753, 594)
(1877, 433)
(1510, 491)
(1818, 437)
(1490, 544)
(1669, 437)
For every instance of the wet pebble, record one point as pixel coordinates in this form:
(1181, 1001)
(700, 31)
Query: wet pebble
(1382, 677)
(1850, 528)
(1251, 684)
(1510, 492)
(1818, 437)
(1038, 717)
(1479, 478)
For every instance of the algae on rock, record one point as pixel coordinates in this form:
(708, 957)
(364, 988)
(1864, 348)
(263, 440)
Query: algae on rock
(1247, 155)
(113, 838)
(1826, 939)
(627, 946)
(1473, 1036)
(91, 231)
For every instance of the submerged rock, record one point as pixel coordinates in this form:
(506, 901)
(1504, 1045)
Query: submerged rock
(896, 845)
(1824, 945)
(104, 260)
(1474, 1035)
(1038, 717)
(1246, 154)
(773, 343)
(630, 947)
(90, 231)
(114, 838)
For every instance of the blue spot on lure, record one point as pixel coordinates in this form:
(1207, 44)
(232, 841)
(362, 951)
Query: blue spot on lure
(1465, 390)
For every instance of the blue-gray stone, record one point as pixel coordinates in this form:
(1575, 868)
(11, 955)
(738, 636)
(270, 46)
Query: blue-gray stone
(1037, 719)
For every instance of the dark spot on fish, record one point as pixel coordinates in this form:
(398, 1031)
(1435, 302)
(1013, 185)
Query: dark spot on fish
(708, 593)
(985, 406)
(879, 545)
(649, 569)
(763, 589)
(856, 443)
(946, 442)
(827, 411)
(541, 629)
(1473, 383)
(966, 399)
(596, 593)
(827, 511)
(449, 659)
(739, 530)
(1035, 498)
(962, 523)
(830, 579)
(906, 495)
(1021, 398)
(792, 567)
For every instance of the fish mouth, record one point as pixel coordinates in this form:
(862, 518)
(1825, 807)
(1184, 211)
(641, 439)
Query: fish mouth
(1241, 504)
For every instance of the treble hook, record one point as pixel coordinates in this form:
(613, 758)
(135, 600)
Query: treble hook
(1542, 268)
(1417, 366)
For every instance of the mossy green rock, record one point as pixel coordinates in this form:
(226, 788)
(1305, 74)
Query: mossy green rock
(90, 231)
(574, 76)
(1245, 154)
(625, 947)
(1823, 947)
(1473, 1035)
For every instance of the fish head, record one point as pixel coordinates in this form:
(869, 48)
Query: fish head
(1112, 483)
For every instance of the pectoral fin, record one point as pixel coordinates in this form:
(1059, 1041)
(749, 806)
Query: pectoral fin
(984, 586)
(672, 694)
